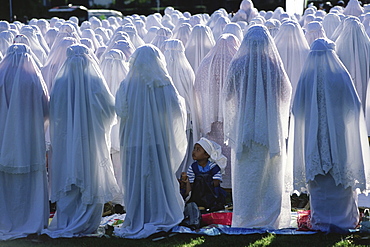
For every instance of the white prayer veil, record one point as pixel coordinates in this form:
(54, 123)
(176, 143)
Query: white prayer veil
(34, 43)
(152, 32)
(330, 23)
(219, 26)
(134, 37)
(162, 35)
(22, 91)
(50, 36)
(6, 40)
(235, 29)
(210, 79)
(115, 69)
(56, 58)
(314, 30)
(353, 8)
(183, 77)
(66, 30)
(273, 25)
(353, 49)
(327, 129)
(256, 95)
(183, 33)
(200, 42)
(153, 144)
(81, 116)
(293, 49)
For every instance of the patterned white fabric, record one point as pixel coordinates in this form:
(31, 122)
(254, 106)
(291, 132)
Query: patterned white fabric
(328, 131)
(256, 99)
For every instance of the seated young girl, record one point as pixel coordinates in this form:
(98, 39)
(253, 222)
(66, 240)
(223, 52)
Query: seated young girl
(205, 176)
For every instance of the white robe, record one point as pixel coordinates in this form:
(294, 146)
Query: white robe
(153, 144)
(81, 115)
(24, 206)
(256, 101)
(328, 143)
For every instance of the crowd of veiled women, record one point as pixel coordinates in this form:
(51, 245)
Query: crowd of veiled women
(109, 110)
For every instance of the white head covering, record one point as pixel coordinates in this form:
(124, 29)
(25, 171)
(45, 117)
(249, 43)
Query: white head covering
(23, 100)
(210, 79)
(353, 49)
(293, 49)
(330, 23)
(214, 151)
(256, 95)
(353, 8)
(81, 116)
(183, 33)
(328, 132)
(56, 58)
(200, 42)
(153, 145)
(235, 29)
(162, 35)
(314, 30)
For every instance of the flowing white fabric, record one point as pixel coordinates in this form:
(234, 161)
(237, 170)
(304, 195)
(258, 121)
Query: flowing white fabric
(115, 69)
(353, 49)
(210, 79)
(183, 77)
(353, 8)
(328, 131)
(81, 115)
(200, 42)
(183, 33)
(313, 31)
(163, 34)
(55, 60)
(23, 111)
(293, 49)
(256, 99)
(330, 23)
(153, 144)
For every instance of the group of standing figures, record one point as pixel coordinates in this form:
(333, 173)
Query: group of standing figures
(278, 143)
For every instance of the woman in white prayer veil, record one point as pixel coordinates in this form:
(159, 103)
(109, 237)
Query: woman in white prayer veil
(235, 29)
(163, 34)
(328, 144)
(55, 60)
(183, 33)
(153, 145)
(293, 49)
(23, 111)
(256, 98)
(183, 77)
(209, 81)
(6, 40)
(353, 8)
(353, 49)
(34, 43)
(313, 31)
(330, 23)
(81, 171)
(200, 42)
(115, 69)
(66, 30)
(246, 12)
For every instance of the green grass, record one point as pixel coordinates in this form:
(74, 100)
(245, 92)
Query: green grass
(189, 240)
